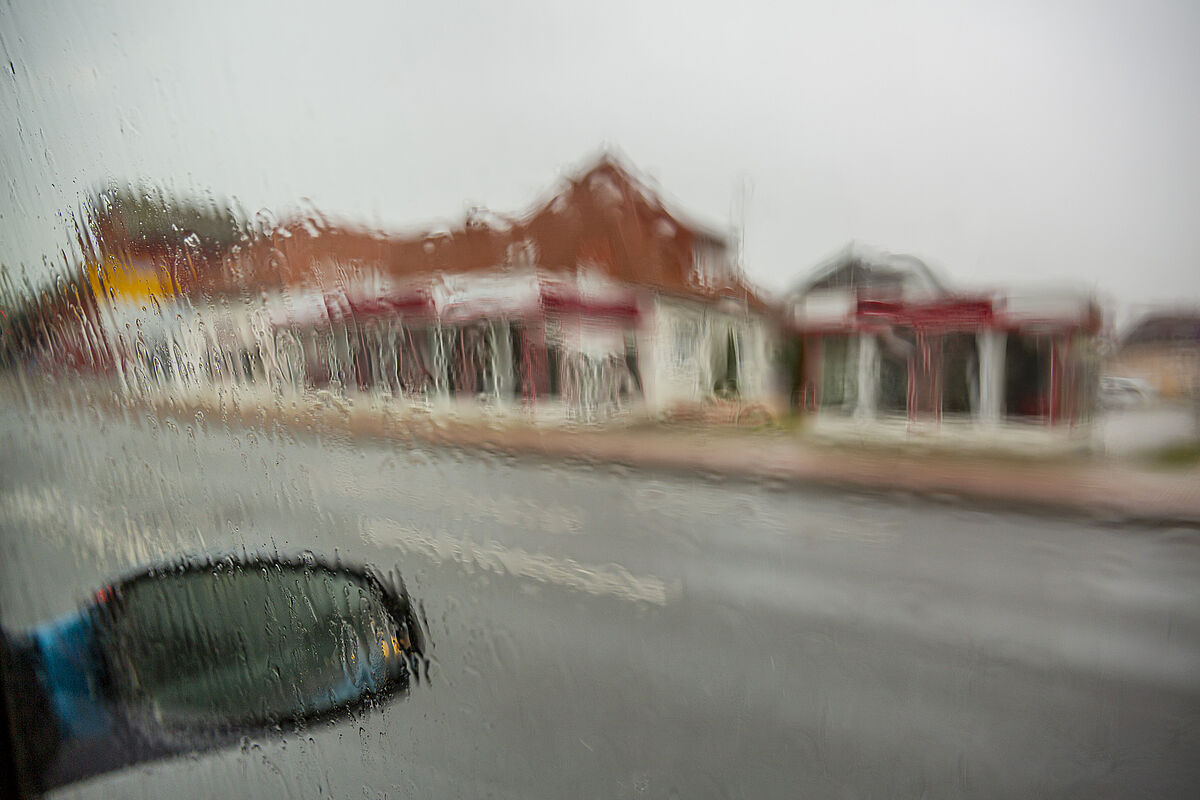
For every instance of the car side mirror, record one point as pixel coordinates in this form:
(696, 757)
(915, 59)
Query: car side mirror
(188, 656)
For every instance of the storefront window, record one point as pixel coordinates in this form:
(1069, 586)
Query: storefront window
(897, 349)
(839, 373)
(960, 374)
(1027, 364)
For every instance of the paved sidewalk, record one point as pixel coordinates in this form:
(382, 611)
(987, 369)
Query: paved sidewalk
(1096, 487)
(1106, 489)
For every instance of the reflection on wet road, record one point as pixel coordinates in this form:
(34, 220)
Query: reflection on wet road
(615, 633)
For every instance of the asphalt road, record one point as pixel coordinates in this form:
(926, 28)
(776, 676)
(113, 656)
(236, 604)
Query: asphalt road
(616, 633)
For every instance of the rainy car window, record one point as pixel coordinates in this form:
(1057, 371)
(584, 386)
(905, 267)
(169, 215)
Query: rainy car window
(640, 399)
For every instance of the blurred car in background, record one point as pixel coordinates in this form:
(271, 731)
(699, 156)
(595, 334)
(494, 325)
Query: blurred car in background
(1122, 392)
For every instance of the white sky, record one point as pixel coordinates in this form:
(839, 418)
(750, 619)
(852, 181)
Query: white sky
(1006, 142)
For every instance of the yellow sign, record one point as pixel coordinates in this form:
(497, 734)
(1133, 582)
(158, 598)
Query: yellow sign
(129, 282)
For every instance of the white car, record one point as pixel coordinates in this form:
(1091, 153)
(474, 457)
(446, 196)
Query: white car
(1122, 392)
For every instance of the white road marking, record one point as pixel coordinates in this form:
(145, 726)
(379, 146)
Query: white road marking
(609, 579)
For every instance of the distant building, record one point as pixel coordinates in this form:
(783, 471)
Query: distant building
(1162, 349)
(145, 252)
(879, 338)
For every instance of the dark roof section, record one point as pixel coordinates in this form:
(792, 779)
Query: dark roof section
(1165, 328)
(859, 267)
(149, 221)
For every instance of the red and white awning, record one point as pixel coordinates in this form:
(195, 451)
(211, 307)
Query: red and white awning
(461, 299)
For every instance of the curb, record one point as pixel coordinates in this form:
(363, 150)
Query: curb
(1101, 491)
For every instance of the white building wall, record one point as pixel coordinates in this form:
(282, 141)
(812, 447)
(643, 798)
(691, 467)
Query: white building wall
(755, 379)
(672, 339)
(868, 377)
(685, 341)
(991, 344)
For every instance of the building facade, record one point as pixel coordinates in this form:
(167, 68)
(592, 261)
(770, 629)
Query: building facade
(600, 301)
(879, 339)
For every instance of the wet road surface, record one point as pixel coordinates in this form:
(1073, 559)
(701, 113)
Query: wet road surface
(616, 633)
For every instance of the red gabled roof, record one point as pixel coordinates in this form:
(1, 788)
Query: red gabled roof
(605, 220)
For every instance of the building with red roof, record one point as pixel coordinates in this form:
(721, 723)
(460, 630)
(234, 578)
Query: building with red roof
(600, 298)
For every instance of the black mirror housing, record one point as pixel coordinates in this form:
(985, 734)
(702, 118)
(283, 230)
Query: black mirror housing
(190, 655)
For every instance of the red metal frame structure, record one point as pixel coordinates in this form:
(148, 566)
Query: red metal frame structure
(929, 320)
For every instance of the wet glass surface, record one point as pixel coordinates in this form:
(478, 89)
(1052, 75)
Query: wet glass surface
(688, 501)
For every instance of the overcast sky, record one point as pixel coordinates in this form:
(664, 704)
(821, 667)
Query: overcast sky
(1006, 142)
